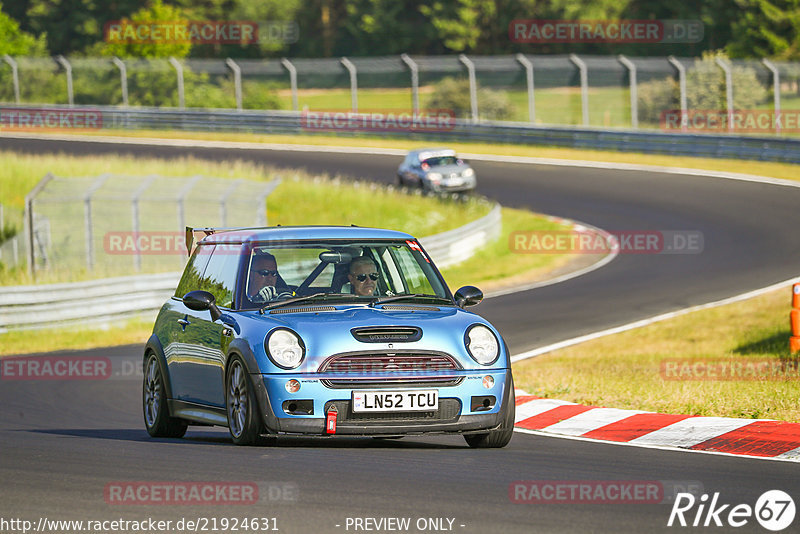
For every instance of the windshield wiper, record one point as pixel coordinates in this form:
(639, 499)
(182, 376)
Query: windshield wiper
(401, 297)
(297, 299)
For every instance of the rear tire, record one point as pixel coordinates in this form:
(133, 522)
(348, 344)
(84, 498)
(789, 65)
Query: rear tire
(157, 419)
(500, 436)
(244, 423)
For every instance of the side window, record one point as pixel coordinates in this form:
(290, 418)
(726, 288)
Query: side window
(415, 278)
(393, 277)
(219, 277)
(194, 270)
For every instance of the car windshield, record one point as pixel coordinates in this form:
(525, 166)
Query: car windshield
(441, 161)
(340, 270)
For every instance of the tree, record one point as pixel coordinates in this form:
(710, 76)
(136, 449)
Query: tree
(73, 25)
(767, 29)
(16, 42)
(157, 12)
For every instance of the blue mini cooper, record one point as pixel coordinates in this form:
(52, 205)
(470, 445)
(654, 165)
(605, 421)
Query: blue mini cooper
(323, 331)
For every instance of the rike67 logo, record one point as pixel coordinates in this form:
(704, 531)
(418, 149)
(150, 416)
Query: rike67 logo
(774, 510)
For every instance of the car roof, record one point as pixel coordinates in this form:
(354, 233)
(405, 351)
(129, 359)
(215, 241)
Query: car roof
(292, 233)
(425, 153)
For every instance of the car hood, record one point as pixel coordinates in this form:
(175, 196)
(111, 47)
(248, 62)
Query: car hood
(325, 333)
(449, 169)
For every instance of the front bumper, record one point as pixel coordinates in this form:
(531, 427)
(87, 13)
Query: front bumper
(466, 185)
(455, 413)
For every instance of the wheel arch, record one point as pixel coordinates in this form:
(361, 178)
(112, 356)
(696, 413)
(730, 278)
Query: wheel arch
(241, 348)
(153, 346)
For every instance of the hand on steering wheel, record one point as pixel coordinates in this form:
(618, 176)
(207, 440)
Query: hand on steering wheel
(268, 293)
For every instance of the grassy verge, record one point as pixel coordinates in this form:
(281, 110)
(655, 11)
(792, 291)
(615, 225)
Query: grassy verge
(133, 331)
(300, 199)
(786, 171)
(630, 370)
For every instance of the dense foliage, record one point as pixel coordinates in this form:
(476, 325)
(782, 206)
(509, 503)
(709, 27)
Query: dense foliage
(328, 28)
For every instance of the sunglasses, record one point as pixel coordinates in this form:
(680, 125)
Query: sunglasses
(363, 277)
(267, 272)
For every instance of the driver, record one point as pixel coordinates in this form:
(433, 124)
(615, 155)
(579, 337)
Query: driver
(363, 276)
(263, 277)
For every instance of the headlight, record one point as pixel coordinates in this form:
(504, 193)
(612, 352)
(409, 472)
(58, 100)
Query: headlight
(285, 348)
(467, 173)
(434, 176)
(482, 344)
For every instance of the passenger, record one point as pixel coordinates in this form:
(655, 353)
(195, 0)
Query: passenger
(363, 276)
(263, 277)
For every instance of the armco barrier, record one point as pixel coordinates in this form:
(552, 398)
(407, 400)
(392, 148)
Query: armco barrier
(291, 122)
(28, 307)
(99, 301)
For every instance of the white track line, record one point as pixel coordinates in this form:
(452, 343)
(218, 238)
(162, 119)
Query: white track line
(644, 322)
(605, 260)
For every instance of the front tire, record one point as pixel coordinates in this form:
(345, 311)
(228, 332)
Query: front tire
(498, 437)
(157, 419)
(244, 423)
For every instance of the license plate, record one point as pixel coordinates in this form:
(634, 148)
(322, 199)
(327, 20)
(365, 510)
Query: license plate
(396, 401)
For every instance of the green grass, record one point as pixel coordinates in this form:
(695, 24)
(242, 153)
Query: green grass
(496, 265)
(609, 106)
(134, 331)
(300, 199)
(625, 370)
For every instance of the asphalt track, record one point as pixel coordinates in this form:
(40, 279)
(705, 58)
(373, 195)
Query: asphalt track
(63, 442)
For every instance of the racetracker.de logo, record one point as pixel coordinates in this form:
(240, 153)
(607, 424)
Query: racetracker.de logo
(740, 120)
(181, 493)
(433, 120)
(541, 31)
(181, 32)
(729, 370)
(73, 118)
(586, 491)
(144, 243)
(55, 368)
(582, 240)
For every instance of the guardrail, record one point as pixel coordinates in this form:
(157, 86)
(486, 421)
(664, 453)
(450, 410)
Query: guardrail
(292, 122)
(108, 299)
(30, 307)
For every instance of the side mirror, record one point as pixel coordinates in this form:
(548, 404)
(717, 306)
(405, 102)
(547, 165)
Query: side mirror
(468, 296)
(202, 300)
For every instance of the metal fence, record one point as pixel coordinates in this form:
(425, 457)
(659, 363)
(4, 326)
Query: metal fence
(598, 91)
(114, 224)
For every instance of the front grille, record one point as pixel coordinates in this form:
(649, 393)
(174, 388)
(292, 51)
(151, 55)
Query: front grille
(448, 412)
(389, 362)
(391, 369)
(387, 334)
(376, 383)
